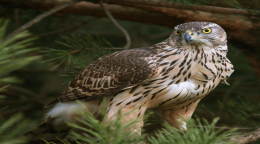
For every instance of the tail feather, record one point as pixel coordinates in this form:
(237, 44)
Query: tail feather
(47, 132)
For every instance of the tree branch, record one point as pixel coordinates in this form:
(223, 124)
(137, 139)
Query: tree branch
(245, 138)
(39, 18)
(127, 37)
(62, 30)
(242, 30)
(240, 128)
(165, 4)
(87, 8)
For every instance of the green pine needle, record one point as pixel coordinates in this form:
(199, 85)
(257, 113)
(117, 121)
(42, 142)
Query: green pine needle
(205, 133)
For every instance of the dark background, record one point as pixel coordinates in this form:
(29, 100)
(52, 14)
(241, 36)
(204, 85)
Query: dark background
(237, 105)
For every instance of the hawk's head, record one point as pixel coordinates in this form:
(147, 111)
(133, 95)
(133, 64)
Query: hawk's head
(198, 33)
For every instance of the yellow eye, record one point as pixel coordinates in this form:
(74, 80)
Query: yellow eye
(206, 30)
(177, 32)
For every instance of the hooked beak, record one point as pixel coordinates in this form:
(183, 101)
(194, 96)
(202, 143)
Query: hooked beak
(188, 36)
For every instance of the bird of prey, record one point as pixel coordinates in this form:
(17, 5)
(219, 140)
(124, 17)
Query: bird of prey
(170, 77)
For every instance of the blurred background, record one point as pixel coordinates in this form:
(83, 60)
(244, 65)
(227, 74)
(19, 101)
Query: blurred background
(73, 37)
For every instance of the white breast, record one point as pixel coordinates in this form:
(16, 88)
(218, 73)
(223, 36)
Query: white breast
(176, 93)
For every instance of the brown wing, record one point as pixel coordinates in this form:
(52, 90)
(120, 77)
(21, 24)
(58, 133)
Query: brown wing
(110, 74)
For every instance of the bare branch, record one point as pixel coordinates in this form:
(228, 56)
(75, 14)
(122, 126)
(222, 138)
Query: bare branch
(54, 67)
(63, 30)
(238, 27)
(107, 48)
(128, 40)
(240, 128)
(119, 12)
(74, 51)
(159, 3)
(39, 18)
(245, 138)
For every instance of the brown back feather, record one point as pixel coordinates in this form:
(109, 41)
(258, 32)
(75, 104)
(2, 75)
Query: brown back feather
(110, 74)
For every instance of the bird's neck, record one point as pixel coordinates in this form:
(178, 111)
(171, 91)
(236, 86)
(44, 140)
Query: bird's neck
(169, 55)
(168, 47)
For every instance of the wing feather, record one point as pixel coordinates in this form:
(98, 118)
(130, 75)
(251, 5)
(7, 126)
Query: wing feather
(110, 74)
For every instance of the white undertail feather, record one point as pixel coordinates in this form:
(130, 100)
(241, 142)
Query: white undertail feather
(62, 112)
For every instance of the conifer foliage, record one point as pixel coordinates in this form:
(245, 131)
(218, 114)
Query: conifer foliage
(13, 56)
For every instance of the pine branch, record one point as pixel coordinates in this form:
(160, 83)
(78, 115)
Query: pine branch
(23, 91)
(39, 18)
(128, 40)
(194, 134)
(15, 110)
(79, 51)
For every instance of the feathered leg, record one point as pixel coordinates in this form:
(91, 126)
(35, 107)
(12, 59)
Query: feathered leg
(175, 116)
(128, 113)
